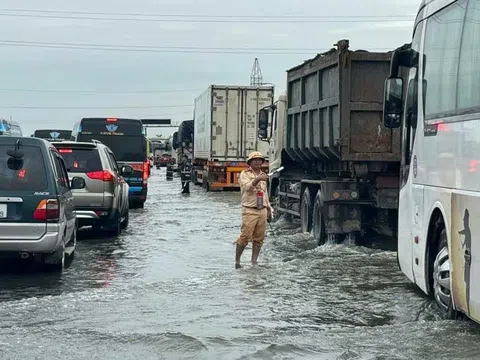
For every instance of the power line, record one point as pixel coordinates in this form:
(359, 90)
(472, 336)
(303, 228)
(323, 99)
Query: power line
(163, 49)
(159, 47)
(95, 92)
(154, 50)
(89, 107)
(339, 19)
(207, 15)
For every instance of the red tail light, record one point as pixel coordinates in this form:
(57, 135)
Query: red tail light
(47, 210)
(105, 175)
(110, 120)
(61, 151)
(146, 168)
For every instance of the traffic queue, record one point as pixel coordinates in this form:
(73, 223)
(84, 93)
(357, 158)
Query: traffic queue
(50, 186)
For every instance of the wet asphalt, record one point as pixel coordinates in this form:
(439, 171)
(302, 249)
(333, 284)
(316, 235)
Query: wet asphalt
(167, 289)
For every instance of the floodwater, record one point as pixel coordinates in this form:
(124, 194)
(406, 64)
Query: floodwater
(167, 289)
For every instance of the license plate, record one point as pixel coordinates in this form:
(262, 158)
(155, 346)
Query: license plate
(3, 211)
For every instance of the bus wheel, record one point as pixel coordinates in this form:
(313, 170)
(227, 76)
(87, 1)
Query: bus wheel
(441, 277)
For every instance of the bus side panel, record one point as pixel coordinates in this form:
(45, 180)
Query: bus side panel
(405, 251)
(464, 253)
(137, 184)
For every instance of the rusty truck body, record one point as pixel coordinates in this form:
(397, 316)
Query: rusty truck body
(341, 164)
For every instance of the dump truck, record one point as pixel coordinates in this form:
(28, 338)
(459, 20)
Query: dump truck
(225, 133)
(341, 165)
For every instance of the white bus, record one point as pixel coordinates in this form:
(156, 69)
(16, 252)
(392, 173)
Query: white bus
(439, 206)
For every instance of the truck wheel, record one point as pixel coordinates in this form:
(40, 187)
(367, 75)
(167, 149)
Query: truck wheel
(276, 205)
(319, 232)
(306, 211)
(441, 277)
(206, 186)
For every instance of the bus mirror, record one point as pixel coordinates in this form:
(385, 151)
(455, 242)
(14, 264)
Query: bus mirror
(393, 102)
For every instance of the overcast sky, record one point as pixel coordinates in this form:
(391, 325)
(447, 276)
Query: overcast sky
(177, 76)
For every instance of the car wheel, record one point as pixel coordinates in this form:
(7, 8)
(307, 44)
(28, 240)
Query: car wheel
(126, 220)
(56, 260)
(116, 228)
(72, 244)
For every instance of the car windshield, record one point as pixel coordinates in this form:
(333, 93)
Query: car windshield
(81, 160)
(126, 148)
(26, 174)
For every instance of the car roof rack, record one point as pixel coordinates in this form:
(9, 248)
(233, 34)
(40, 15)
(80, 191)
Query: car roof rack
(96, 141)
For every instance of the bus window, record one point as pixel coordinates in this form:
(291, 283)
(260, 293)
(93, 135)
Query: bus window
(468, 96)
(442, 49)
(123, 136)
(53, 134)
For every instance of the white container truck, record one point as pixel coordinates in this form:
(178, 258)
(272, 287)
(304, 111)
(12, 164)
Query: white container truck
(225, 133)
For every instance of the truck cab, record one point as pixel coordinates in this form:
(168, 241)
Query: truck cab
(272, 129)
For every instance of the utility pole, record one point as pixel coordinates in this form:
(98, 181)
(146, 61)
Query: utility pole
(256, 78)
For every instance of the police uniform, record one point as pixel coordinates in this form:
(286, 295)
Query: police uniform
(254, 220)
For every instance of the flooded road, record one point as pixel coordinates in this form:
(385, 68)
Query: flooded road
(167, 289)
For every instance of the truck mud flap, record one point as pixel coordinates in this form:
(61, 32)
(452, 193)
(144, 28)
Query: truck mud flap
(343, 219)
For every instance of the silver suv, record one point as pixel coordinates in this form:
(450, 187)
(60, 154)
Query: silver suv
(37, 218)
(103, 203)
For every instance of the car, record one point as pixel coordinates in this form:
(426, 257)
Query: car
(164, 159)
(37, 213)
(103, 203)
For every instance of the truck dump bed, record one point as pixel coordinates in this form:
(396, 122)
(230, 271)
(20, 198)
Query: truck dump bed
(335, 108)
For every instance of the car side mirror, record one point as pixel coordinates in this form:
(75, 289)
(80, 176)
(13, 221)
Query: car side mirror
(127, 170)
(78, 183)
(393, 103)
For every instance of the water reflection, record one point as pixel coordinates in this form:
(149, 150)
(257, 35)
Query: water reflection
(94, 265)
